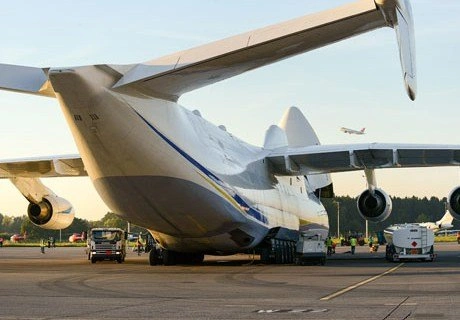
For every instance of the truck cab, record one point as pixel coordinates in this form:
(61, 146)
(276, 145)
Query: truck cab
(106, 244)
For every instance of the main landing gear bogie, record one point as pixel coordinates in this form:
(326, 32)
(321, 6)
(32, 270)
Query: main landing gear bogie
(169, 258)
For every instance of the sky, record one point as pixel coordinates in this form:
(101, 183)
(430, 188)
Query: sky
(354, 83)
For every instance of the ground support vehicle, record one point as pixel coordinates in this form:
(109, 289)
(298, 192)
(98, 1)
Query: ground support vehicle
(310, 249)
(409, 242)
(106, 244)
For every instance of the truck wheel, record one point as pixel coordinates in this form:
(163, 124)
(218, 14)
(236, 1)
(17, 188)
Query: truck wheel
(119, 260)
(93, 260)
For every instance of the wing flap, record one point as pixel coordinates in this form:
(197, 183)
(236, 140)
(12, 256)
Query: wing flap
(63, 166)
(341, 158)
(184, 71)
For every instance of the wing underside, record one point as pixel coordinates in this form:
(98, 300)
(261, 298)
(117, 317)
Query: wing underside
(341, 158)
(64, 166)
(171, 76)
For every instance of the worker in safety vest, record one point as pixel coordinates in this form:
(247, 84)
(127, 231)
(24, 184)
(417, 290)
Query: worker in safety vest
(329, 245)
(42, 245)
(370, 240)
(353, 242)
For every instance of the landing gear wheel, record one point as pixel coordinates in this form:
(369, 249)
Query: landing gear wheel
(197, 258)
(169, 257)
(154, 257)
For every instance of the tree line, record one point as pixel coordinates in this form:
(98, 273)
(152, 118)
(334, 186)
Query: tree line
(19, 225)
(411, 209)
(405, 210)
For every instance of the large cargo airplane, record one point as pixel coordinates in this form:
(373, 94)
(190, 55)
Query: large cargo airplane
(195, 186)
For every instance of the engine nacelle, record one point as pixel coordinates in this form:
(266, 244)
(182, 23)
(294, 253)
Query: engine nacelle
(51, 213)
(375, 207)
(453, 203)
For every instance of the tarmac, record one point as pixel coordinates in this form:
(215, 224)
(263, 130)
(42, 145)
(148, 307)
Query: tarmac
(63, 284)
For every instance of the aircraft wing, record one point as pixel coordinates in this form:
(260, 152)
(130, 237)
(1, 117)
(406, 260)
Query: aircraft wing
(59, 166)
(341, 158)
(171, 76)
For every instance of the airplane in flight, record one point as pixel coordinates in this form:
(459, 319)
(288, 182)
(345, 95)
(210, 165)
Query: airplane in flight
(196, 187)
(443, 224)
(351, 131)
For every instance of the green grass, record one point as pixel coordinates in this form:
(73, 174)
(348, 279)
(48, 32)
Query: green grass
(8, 243)
(452, 238)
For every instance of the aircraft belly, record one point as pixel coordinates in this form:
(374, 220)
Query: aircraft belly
(169, 205)
(225, 243)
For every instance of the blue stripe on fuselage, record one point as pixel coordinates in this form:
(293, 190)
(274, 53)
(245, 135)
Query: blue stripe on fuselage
(250, 211)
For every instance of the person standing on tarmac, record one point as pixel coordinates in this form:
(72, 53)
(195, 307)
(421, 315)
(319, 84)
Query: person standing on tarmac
(353, 242)
(139, 245)
(42, 245)
(329, 245)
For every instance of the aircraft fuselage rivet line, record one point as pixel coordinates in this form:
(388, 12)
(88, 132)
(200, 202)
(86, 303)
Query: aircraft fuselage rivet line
(359, 284)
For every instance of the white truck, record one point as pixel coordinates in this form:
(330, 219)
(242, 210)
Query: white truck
(409, 241)
(106, 244)
(310, 249)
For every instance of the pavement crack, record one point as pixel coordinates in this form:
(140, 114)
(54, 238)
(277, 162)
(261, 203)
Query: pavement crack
(396, 308)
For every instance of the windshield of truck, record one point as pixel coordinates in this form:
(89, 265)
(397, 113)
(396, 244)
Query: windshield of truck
(106, 235)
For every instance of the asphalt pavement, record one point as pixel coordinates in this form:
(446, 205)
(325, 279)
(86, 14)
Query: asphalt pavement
(63, 284)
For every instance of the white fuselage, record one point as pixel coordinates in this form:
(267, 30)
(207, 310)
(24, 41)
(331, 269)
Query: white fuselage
(163, 167)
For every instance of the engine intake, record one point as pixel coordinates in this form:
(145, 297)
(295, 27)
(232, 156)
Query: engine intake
(51, 213)
(453, 203)
(375, 207)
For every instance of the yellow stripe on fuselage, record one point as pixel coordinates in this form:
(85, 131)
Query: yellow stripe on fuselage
(222, 192)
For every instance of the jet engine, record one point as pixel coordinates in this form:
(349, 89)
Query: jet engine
(376, 207)
(453, 203)
(52, 213)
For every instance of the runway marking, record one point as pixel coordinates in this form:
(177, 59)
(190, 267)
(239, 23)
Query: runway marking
(291, 310)
(359, 284)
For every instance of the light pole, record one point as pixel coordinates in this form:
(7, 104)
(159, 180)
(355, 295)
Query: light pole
(338, 217)
(367, 229)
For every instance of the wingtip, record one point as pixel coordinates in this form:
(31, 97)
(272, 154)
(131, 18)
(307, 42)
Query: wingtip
(411, 87)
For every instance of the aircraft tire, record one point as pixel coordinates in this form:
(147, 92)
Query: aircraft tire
(196, 258)
(154, 258)
(169, 257)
